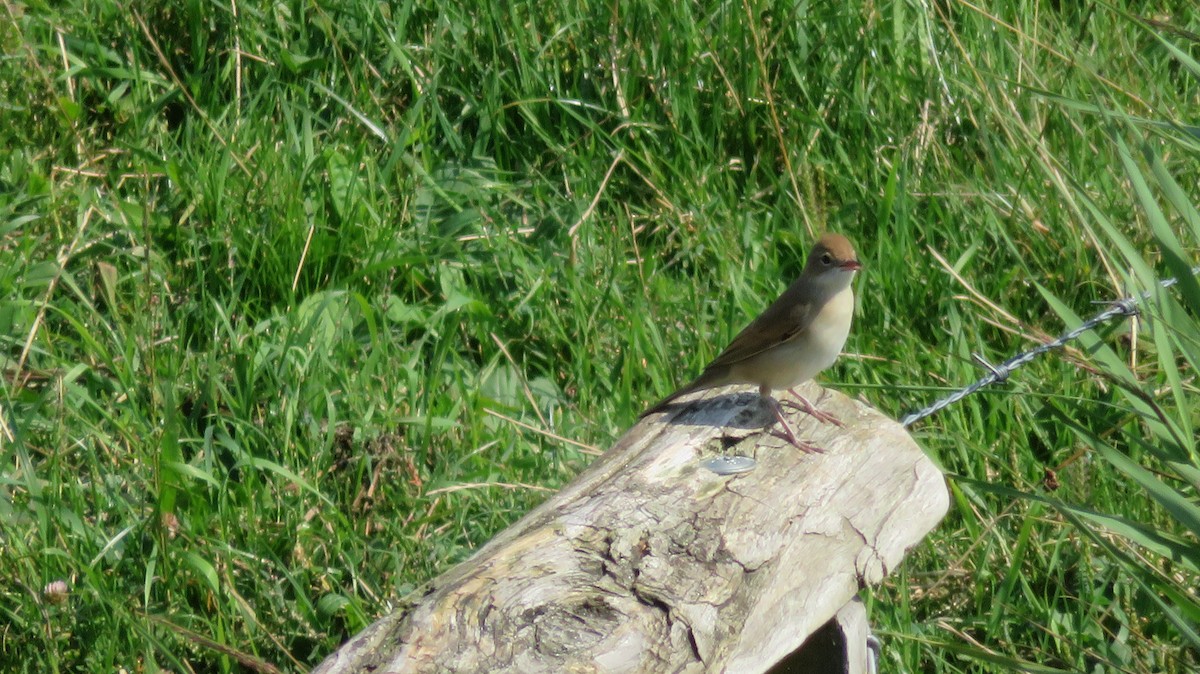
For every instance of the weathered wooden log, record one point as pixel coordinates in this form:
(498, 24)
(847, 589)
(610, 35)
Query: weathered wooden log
(840, 646)
(649, 562)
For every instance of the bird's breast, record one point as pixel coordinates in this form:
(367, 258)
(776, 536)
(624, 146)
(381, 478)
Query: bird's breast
(816, 348)
(832, 326)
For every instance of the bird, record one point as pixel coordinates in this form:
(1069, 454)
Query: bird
(800, 334)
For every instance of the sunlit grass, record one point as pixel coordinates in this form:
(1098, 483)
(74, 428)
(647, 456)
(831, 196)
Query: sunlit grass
(303, 303)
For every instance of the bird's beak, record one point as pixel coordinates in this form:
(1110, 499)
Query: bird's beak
(851, 265)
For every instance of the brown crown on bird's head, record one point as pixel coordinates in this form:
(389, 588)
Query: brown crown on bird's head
(832, 251)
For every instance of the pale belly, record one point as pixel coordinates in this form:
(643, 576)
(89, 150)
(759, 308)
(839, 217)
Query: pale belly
(798, 361)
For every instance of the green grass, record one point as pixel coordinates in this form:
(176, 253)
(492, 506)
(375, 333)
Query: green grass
(302, 302)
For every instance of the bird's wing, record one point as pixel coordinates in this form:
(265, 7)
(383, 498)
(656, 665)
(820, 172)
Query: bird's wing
(786, 319)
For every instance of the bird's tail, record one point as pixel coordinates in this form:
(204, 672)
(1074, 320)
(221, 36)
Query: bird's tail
(710, 378)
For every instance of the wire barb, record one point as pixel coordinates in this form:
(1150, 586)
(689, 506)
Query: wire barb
(1001, 372)
(1126, 306)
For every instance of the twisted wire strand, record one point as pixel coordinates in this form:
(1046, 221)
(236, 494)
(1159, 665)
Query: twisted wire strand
(1127, 306)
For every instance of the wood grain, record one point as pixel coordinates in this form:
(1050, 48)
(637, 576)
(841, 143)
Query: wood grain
(648, 562)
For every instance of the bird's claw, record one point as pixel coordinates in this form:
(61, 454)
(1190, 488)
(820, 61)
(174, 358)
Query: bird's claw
(811, 410)
(788, 434)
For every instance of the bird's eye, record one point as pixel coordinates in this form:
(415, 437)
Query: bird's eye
(826, 258)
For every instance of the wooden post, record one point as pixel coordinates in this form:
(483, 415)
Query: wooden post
(649, 562)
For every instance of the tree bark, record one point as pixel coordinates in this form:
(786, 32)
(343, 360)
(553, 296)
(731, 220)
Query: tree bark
(649, 562)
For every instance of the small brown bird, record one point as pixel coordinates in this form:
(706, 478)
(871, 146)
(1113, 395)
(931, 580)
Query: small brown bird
(799, 335)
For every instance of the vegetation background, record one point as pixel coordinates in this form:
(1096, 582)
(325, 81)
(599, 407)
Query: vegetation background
(304, 300)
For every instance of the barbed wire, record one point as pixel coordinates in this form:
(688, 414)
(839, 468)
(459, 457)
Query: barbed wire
(998, 373)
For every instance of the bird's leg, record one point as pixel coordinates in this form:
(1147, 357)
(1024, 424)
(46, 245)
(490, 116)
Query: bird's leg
(811, 410)
(787, 433)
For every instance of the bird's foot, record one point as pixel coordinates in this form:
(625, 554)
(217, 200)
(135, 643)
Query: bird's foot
(788, 434)
(808, 408)
(802, 445)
